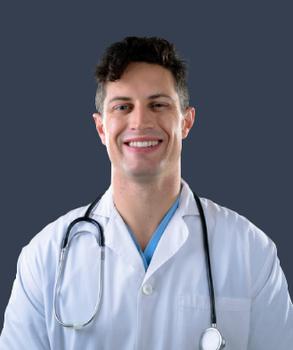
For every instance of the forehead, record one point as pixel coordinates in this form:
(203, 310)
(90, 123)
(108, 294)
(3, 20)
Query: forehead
(140, 80)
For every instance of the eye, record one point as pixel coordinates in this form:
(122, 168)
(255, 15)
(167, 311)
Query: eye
(122, 108)
(159, 105)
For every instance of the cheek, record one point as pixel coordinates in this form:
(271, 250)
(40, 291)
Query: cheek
(113, 130)
(175, 131)
(177, 140)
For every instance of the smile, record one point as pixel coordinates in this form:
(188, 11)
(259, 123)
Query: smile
(143, 143)
(143, 146)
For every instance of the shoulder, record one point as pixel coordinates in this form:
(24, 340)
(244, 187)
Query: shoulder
(37, 263)
(46, 244)
(53, 231)
(240, 242)
(225, 225)
(231, 224)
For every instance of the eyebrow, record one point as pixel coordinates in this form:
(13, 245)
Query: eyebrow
(151, 97)
(119, 98)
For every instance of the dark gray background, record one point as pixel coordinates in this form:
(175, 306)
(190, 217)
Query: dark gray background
(239, 153)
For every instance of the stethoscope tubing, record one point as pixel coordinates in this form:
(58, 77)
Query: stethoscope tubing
(62, 261)
(58, 288)
(208, 261)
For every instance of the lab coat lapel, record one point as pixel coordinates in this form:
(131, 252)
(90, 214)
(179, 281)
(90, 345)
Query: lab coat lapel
(119, 240)
(117, 237)
(176, 233)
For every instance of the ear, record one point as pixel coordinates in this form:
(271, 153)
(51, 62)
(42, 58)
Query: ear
(98, 119)
(188, 120)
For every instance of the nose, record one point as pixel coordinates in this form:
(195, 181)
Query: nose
(141, 118)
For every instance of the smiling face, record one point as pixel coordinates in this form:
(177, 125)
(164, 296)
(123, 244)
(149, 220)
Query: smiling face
(142, 124)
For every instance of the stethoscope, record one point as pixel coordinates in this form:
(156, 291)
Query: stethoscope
(211, 338)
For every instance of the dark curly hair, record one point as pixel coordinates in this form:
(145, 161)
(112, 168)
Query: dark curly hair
(140, 49)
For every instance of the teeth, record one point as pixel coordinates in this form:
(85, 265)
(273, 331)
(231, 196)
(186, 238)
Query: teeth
(143, 143)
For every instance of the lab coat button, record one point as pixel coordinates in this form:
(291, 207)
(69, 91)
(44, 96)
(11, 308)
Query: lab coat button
(147, 289)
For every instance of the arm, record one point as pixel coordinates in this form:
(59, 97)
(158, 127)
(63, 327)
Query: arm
(272, 310)
(24, 322)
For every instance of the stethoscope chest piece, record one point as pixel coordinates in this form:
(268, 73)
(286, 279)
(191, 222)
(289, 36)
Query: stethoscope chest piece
(212, 339)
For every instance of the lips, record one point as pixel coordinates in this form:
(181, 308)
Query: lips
(142, 142)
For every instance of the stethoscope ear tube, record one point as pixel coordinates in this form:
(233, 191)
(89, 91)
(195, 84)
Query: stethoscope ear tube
(57, 289)
(62, 261)
(66, 239)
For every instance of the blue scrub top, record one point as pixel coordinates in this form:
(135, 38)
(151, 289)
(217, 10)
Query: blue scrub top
(151, 246)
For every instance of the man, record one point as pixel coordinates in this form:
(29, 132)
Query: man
(152, 289)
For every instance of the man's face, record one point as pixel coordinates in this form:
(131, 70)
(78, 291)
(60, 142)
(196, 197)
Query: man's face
(142, 125)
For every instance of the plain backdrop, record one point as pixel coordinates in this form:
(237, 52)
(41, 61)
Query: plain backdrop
(239, 153)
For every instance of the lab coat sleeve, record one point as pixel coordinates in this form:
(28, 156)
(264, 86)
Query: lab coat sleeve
(272, 310)
(24, 321)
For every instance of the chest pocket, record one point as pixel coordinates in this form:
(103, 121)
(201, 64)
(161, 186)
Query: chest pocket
(193, 317)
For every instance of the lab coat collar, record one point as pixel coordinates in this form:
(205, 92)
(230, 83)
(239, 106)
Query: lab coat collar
(105, 206)
(118, 239)
(187, 204)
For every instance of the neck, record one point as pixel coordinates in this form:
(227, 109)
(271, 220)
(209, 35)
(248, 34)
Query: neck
(143, 203)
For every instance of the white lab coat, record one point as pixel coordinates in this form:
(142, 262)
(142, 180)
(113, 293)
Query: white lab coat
(165, 308)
